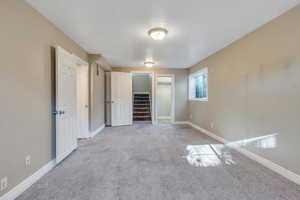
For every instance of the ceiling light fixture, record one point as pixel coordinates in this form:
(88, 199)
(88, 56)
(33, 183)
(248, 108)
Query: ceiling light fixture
(149, 63)
(158, 33)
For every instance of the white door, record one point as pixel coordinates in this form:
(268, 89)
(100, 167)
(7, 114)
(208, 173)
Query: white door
(66, 119)
(83, 101)
(121, 98)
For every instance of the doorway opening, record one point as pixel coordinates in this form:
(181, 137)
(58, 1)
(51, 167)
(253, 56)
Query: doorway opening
(165, 99)
(142, 90)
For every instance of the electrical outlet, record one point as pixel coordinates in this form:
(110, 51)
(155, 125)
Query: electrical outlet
(3, 184)
(191, 116)
(212, 125)
(27, 161)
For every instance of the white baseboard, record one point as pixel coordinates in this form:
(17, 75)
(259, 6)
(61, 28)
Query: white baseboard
(208, 133)
(98, 130)
(182, 122)
(263, 161)
(25, 184)
(164, 117)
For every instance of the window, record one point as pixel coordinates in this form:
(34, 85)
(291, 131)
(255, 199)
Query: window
(198, 87)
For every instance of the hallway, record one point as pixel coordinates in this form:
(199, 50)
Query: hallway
(146, 162)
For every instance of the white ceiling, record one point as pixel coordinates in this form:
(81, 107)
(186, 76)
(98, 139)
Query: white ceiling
(117, 29)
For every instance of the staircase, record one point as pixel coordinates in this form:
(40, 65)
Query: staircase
(142, 107)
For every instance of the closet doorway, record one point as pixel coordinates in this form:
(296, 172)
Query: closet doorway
(165, 98)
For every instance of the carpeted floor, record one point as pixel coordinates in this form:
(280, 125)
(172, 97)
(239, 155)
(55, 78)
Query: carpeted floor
(164, 162)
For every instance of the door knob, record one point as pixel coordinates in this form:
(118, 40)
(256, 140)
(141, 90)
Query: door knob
(55, 113)
(60, 112)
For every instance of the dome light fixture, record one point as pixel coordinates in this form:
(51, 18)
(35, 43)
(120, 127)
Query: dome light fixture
(158, 33)
(149, 63)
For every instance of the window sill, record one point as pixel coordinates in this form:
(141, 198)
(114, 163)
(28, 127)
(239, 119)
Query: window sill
(200, 99)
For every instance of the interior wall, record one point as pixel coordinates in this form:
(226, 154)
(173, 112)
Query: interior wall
(164, 99)
(253, 91)
(141, 83)
(27, 89)
(97, 97)
(181, 87)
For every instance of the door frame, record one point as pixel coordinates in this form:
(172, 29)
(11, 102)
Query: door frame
(81, 63)
(153, 105)
(172, 76)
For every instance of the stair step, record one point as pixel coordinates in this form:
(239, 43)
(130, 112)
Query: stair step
(141, 114)
(141, 102)
(144, 105)
(142, 119)
(138, 104)
(141, 98)
(141, 106)
(141, 109)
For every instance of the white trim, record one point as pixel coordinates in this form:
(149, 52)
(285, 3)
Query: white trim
(25, 184)
(198, 99)
(97, 131)
(173, 96)
(78, 60)
(208, 133)
(202, 70)
(191, 86)
(263, 161)
(152, 92)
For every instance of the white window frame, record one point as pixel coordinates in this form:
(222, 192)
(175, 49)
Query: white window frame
(192, 86)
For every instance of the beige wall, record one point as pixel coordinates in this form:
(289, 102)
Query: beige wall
(97, 89)
(26, 85)
(181, 87)
(254, 90)
(141, 83)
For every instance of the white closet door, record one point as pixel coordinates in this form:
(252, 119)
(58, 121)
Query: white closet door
(121, 97)
(83, 101)
(66, 119)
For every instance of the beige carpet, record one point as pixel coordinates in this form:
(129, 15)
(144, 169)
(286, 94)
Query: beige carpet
(164, 162)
